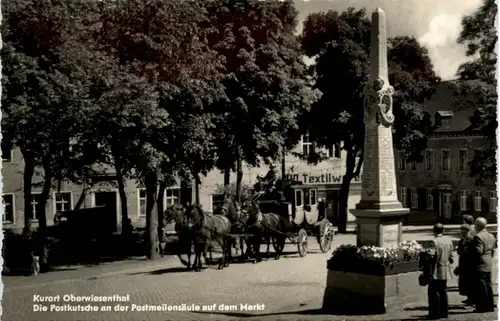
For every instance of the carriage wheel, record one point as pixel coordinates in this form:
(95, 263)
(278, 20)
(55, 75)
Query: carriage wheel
(325, 237)
(302, 242)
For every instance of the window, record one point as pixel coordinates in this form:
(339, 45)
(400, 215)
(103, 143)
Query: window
(462, 159)
(172, 196)
(313, 196)
(430, 199)
(414, 198)
(402, 194)
(429, 159)
(401, 160)
(463, 200)
(445, 159)
(298, 198)
(37, 205)
(217, 203)
(334, 151)
(62, 201)
(493, 201)
(307, 197)
(477, 201)
(142, 202)
(307, 145)
(8, 208)
(6, 150)
(413, 166)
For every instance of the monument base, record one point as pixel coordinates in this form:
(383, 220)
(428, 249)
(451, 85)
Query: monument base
(379, 227)
(366, 292)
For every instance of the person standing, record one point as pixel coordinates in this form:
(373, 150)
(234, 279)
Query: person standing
(464, 264)
(482, 250)
(441, 253)
(469, 220)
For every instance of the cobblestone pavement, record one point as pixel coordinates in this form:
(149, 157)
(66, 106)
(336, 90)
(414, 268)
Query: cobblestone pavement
(288, 289)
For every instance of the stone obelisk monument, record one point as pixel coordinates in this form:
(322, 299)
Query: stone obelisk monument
(379, 214)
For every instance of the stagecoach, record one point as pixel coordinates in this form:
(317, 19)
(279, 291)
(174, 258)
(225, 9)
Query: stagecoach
(307, 215)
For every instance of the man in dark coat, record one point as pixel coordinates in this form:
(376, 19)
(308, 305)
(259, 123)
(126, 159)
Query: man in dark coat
(267, 182)
(482, 250)
(464, 264)
(271, 177)
(441, 252)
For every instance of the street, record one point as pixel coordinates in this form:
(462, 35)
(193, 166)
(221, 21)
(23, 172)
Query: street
(290, 288)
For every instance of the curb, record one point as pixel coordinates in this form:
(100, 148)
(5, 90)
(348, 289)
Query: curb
(428, 229)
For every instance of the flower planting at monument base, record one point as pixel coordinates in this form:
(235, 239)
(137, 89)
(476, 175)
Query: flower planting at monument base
(360, 279)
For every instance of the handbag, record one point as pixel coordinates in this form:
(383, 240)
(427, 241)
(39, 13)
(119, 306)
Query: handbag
(423, 279)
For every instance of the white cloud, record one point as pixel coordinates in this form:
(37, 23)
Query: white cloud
(435, 23)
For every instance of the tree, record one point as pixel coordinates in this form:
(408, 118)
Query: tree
(162, 45)
(42, 95)
(340, 44)
(119, 102)
(265, 80)
(477, 84)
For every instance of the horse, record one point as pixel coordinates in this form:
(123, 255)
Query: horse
(267, 226)
(232, 206)
(175, 213)
(238, 218)
(204, 228)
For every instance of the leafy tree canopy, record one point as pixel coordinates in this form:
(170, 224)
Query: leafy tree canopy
(340, 42)
(164, 44)
(478, 85)
(42, 95)
(265, 79)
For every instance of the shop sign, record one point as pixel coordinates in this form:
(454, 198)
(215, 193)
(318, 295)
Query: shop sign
(325, 178)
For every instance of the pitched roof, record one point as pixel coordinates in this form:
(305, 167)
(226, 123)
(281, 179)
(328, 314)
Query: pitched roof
(443, 104)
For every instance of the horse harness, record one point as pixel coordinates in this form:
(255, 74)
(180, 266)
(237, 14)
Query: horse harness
(202, 217)
(260, 216)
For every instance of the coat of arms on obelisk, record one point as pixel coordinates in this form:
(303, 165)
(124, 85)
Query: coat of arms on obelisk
(378, 103)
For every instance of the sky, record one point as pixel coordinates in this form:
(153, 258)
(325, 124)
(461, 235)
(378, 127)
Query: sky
(435, 23)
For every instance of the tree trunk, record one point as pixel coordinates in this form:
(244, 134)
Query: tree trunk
(239, 176)
(186, 193)
(29, 172)
(42, 219)
(283, 170)
(126, 225)
(123, 202)
(227, 178)
(196, 189)
(161, 209)
(351, 171)
(151, 218)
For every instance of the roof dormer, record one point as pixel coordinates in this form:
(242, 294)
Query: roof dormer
(443, 119)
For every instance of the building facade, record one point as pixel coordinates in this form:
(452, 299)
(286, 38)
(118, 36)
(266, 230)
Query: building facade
(440, 188)
(64, 196)
(325, 177)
